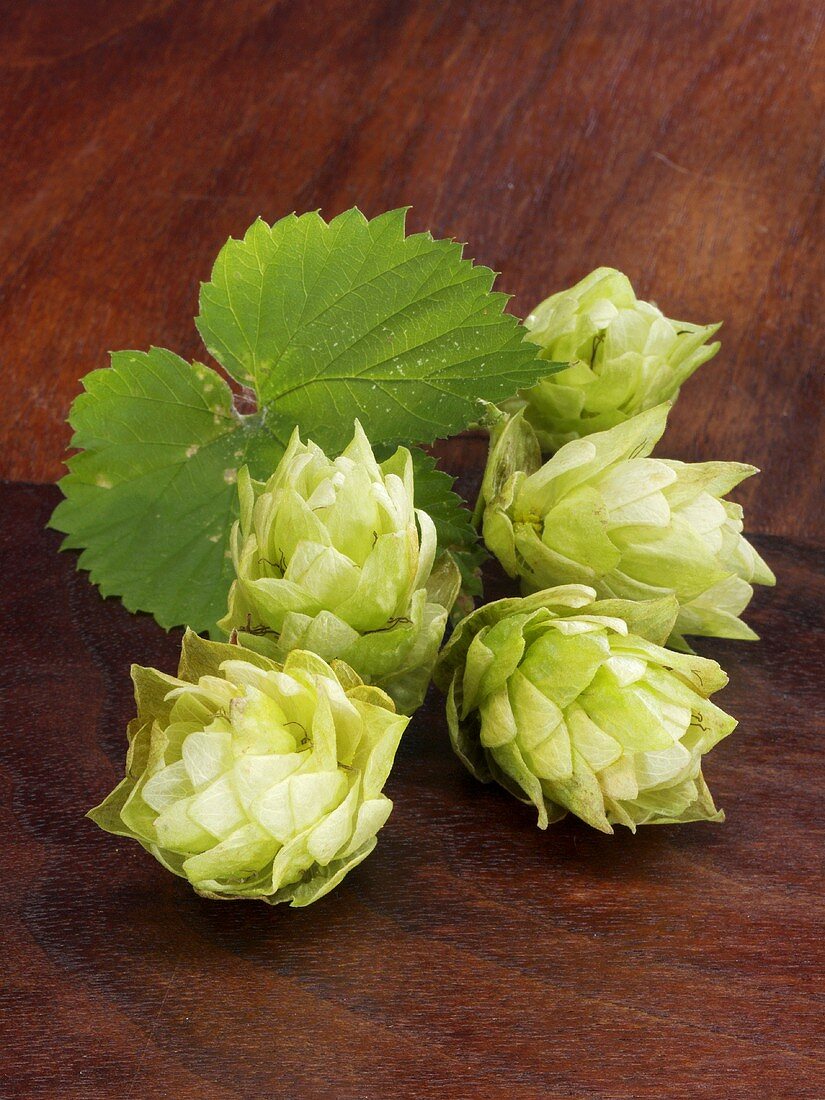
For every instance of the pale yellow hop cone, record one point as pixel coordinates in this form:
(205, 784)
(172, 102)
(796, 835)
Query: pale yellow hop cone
(252, 779)
(332, 556)
(602, 512)
(625, 357)
(573, 704)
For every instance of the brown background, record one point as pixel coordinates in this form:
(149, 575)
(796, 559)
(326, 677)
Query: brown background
(471, 955)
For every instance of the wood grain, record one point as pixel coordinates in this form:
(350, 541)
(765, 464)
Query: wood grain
(680, 142)
(471, 955)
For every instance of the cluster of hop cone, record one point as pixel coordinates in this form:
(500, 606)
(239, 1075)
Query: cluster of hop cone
(258, 771)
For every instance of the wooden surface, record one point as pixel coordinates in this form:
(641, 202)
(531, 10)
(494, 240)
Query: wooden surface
(678, 141)
(471, 955)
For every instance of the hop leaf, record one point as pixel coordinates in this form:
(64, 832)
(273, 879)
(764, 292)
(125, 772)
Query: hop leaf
(150, 496)
(326, 322)
(352, 320)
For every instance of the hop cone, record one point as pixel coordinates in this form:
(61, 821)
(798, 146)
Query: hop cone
(332, 556)
(251, 779)
(601, 512)
(625, 357)
(574, 705)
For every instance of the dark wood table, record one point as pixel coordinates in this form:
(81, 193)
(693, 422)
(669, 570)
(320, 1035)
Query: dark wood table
(471, 955)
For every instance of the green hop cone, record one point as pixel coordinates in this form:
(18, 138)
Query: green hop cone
(601, 512)
(574, 705)
(333, 557)
(252, 779)
(625, 357)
